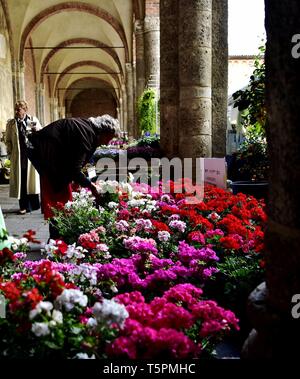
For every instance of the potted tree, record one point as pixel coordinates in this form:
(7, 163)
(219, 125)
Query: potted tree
(252, 157)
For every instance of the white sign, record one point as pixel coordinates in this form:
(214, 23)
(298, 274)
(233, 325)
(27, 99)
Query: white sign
(215, 172)
(91, 172)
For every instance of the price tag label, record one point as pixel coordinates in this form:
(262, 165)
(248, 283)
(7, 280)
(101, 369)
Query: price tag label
(91, 172)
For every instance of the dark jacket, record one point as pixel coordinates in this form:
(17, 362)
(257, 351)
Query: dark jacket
(61, 149)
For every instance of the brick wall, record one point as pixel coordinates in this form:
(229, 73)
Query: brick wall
(93, 102)
(30, 81)
(152, 8)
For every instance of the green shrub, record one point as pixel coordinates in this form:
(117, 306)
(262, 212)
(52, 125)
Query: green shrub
(147, 111)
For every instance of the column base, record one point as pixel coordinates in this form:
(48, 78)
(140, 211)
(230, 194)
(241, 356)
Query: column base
(274, 335)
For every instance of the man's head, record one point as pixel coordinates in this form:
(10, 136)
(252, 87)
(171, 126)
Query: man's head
(106, 128)
(21, 108)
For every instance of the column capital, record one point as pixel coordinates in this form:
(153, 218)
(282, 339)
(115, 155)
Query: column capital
(139, 26)
(129, 67)
(22, 66)
(151, 24)
(40, 86)
(18, 66)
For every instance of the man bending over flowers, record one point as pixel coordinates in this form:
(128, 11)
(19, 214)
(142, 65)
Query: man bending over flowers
(60, 150)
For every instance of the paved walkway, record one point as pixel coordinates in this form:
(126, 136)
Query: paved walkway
(16, 224)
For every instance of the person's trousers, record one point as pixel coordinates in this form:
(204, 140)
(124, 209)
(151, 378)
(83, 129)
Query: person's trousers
(53, 231)
(27, 202)
(51, 199)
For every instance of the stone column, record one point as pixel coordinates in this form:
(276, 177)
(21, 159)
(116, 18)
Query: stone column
(40, 102)
(140, 58)
(135, 120)
(276, 331)
(124, 97)
(18, 80)
(169, 88)
(62, 112)
(151, 48)
(219, 76)
(118, 115)
(130, 105)
(195, 58)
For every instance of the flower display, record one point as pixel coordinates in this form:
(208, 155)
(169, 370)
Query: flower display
(163, 325)
(135, 278)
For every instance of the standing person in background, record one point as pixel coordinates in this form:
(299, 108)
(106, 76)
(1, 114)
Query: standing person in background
(24, 179)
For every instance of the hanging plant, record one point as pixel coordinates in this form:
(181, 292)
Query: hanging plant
(147, 111)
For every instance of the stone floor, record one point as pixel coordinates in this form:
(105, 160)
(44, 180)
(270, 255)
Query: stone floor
(17, 225)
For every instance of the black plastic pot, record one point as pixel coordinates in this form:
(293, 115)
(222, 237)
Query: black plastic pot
(256, 189)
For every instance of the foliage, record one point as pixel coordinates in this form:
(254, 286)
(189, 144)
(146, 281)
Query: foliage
(251, 101)
(77, 217)
(147, 111)
(253, 156)
(241, 274)
(149, 139)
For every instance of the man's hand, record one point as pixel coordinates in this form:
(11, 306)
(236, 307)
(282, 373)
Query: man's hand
(94, 189)
(96, 193)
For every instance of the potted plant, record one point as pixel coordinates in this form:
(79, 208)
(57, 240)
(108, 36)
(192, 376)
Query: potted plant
(147, 111)
(251, 160)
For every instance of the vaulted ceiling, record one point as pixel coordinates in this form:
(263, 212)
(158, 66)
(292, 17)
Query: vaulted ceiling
(75, 41)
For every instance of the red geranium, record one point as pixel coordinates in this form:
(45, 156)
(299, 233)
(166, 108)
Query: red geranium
(231, 242)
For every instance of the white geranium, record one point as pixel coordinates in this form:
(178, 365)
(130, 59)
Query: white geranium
(110, 312)
(40, 329)
(136, 203)
(40, 307)
(85, 272)
(16, 244)
(75, 330)
(74, 251)
(68, 205)
(84, 356)
(213, 216)
(91, 323)
(130, 177)
(126, 187)
(57, 316)
(50, 248)
(112, 205)
(110, 186)
(71, 297)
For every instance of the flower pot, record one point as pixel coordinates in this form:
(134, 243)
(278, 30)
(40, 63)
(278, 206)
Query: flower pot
(257, 189)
